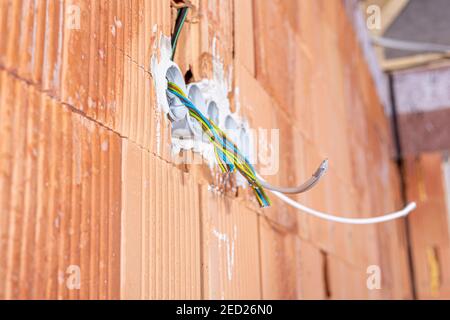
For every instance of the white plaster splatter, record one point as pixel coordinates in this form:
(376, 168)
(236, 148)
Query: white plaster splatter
(158, 69)
(101, 54)
(105, 146)
(229, 247)
(117, 22)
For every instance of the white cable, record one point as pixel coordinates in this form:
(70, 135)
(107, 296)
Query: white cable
(321, 170)
(391, 216)
(410, 45)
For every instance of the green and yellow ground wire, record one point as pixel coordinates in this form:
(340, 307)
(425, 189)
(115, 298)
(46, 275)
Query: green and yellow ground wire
(227, 153)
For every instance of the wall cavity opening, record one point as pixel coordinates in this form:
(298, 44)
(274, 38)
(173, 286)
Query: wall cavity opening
(326, 274)
(188, 76)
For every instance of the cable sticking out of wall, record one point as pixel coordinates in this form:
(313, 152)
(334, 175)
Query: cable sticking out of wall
(410, 45)
(280, 193)
(326, 216)
(227, 153)
(229, 157)
(309, 184)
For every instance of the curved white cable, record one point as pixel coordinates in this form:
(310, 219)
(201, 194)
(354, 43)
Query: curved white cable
(310, 183)
(391, 216)
(410, 45)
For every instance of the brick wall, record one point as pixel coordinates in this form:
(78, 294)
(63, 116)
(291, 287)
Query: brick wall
(87, 178)
(429, 225)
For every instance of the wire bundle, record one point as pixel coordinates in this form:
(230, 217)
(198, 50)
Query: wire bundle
(181, 18)
(230, 158)
(227, 153)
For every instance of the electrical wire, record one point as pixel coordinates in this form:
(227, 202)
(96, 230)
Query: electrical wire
(326, 216)
(227, 153)
(229, 158)
(179, 22)
(410, 45)
(311, 182)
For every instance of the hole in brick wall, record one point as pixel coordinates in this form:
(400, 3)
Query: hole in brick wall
(326, 274)
(189, 76)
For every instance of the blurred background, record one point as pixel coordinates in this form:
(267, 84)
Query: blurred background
(93, 205)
